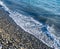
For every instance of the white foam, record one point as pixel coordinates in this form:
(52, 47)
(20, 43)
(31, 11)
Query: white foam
(1, 3)
(29, 25)
(33, 27)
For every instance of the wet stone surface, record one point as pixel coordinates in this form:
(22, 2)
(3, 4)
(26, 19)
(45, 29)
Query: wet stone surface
(13, 37)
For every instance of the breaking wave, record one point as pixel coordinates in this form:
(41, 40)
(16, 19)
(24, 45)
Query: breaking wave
(42, 31)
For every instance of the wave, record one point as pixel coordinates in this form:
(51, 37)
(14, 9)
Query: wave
(34, 27)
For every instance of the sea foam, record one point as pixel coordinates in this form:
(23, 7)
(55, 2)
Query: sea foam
(32, 26)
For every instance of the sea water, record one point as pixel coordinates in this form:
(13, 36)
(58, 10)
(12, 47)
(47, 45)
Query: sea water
(40, 18)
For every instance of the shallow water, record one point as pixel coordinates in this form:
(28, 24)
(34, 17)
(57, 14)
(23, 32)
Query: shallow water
(39, 18)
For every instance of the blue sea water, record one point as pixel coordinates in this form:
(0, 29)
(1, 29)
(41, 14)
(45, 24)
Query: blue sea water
(40, 18)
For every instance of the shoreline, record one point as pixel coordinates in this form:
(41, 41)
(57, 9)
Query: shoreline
(28, 41)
